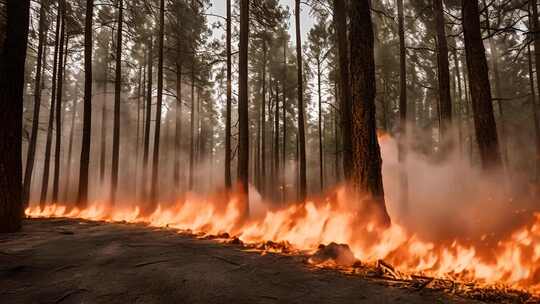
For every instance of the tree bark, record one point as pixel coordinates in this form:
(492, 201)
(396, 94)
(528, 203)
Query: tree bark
(366, 165)
(340, 22)
(263, 122)
(117, 97)
(228, 180)
(484, 120)
(276, 149)
(70, 150)
(535, 115)
(443, 71)
(155, 161)
(147, 114)
(87, 116)
(178, 126)
(243, 105)
(536, 30)
(12, 60)
(192, 127)
(37, 105)
(321, 152)
(58, 116)
(301, 120)
(48, 143)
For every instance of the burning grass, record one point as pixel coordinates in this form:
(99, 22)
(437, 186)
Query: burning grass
(507, 268)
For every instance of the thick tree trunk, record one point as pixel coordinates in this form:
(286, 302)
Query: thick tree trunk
(484, 120)
(340, 22)
(536, 30)
(58, 115)
(155, 161)
(87, 116)
(12, 60)
(148, 114)
(301, 120)
(243, 119)
(117, 97)
(48, 143)
(228, 180)
(37, 105)
(366, 164)
(443, 71)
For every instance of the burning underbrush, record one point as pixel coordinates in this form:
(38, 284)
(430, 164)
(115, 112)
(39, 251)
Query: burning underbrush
(334, 234)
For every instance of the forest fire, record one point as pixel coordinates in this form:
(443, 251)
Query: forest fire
(512, 261)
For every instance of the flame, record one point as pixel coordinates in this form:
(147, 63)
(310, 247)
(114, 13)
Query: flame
(512, 262)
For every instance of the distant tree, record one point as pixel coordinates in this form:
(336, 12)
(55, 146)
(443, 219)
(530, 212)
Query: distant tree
(318, 47)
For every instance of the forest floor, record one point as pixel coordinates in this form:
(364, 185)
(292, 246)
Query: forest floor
(78, 261)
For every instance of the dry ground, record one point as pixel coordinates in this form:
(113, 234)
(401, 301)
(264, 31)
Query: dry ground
(76, 261)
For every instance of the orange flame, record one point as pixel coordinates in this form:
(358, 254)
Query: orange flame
(513, 262)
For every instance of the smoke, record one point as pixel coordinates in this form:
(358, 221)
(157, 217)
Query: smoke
(449, 197)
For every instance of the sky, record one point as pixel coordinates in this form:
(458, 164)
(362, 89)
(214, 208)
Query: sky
(306, 21)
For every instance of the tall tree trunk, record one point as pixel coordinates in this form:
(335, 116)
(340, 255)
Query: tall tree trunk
(276, 170)
(340, 22)
(366, 165)
(536, 30)
(459, 97)
(535, 116)
(497, 86)
(59, 94)
(228, 180)
(243, 116)
(484, 120)
(155, 161)
(12, 60)
(319, 93)
(117, 97)
(178, 126)
(48, 144)
(443, 72)
(263, 118)
(301, 120)
(147, 118)
(37, 105)
(70, 150)
(87, 116)
(402, 137)
(192, 127)
(284, 121)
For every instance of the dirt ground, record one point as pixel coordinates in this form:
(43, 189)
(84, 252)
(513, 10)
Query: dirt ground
(76, 261)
